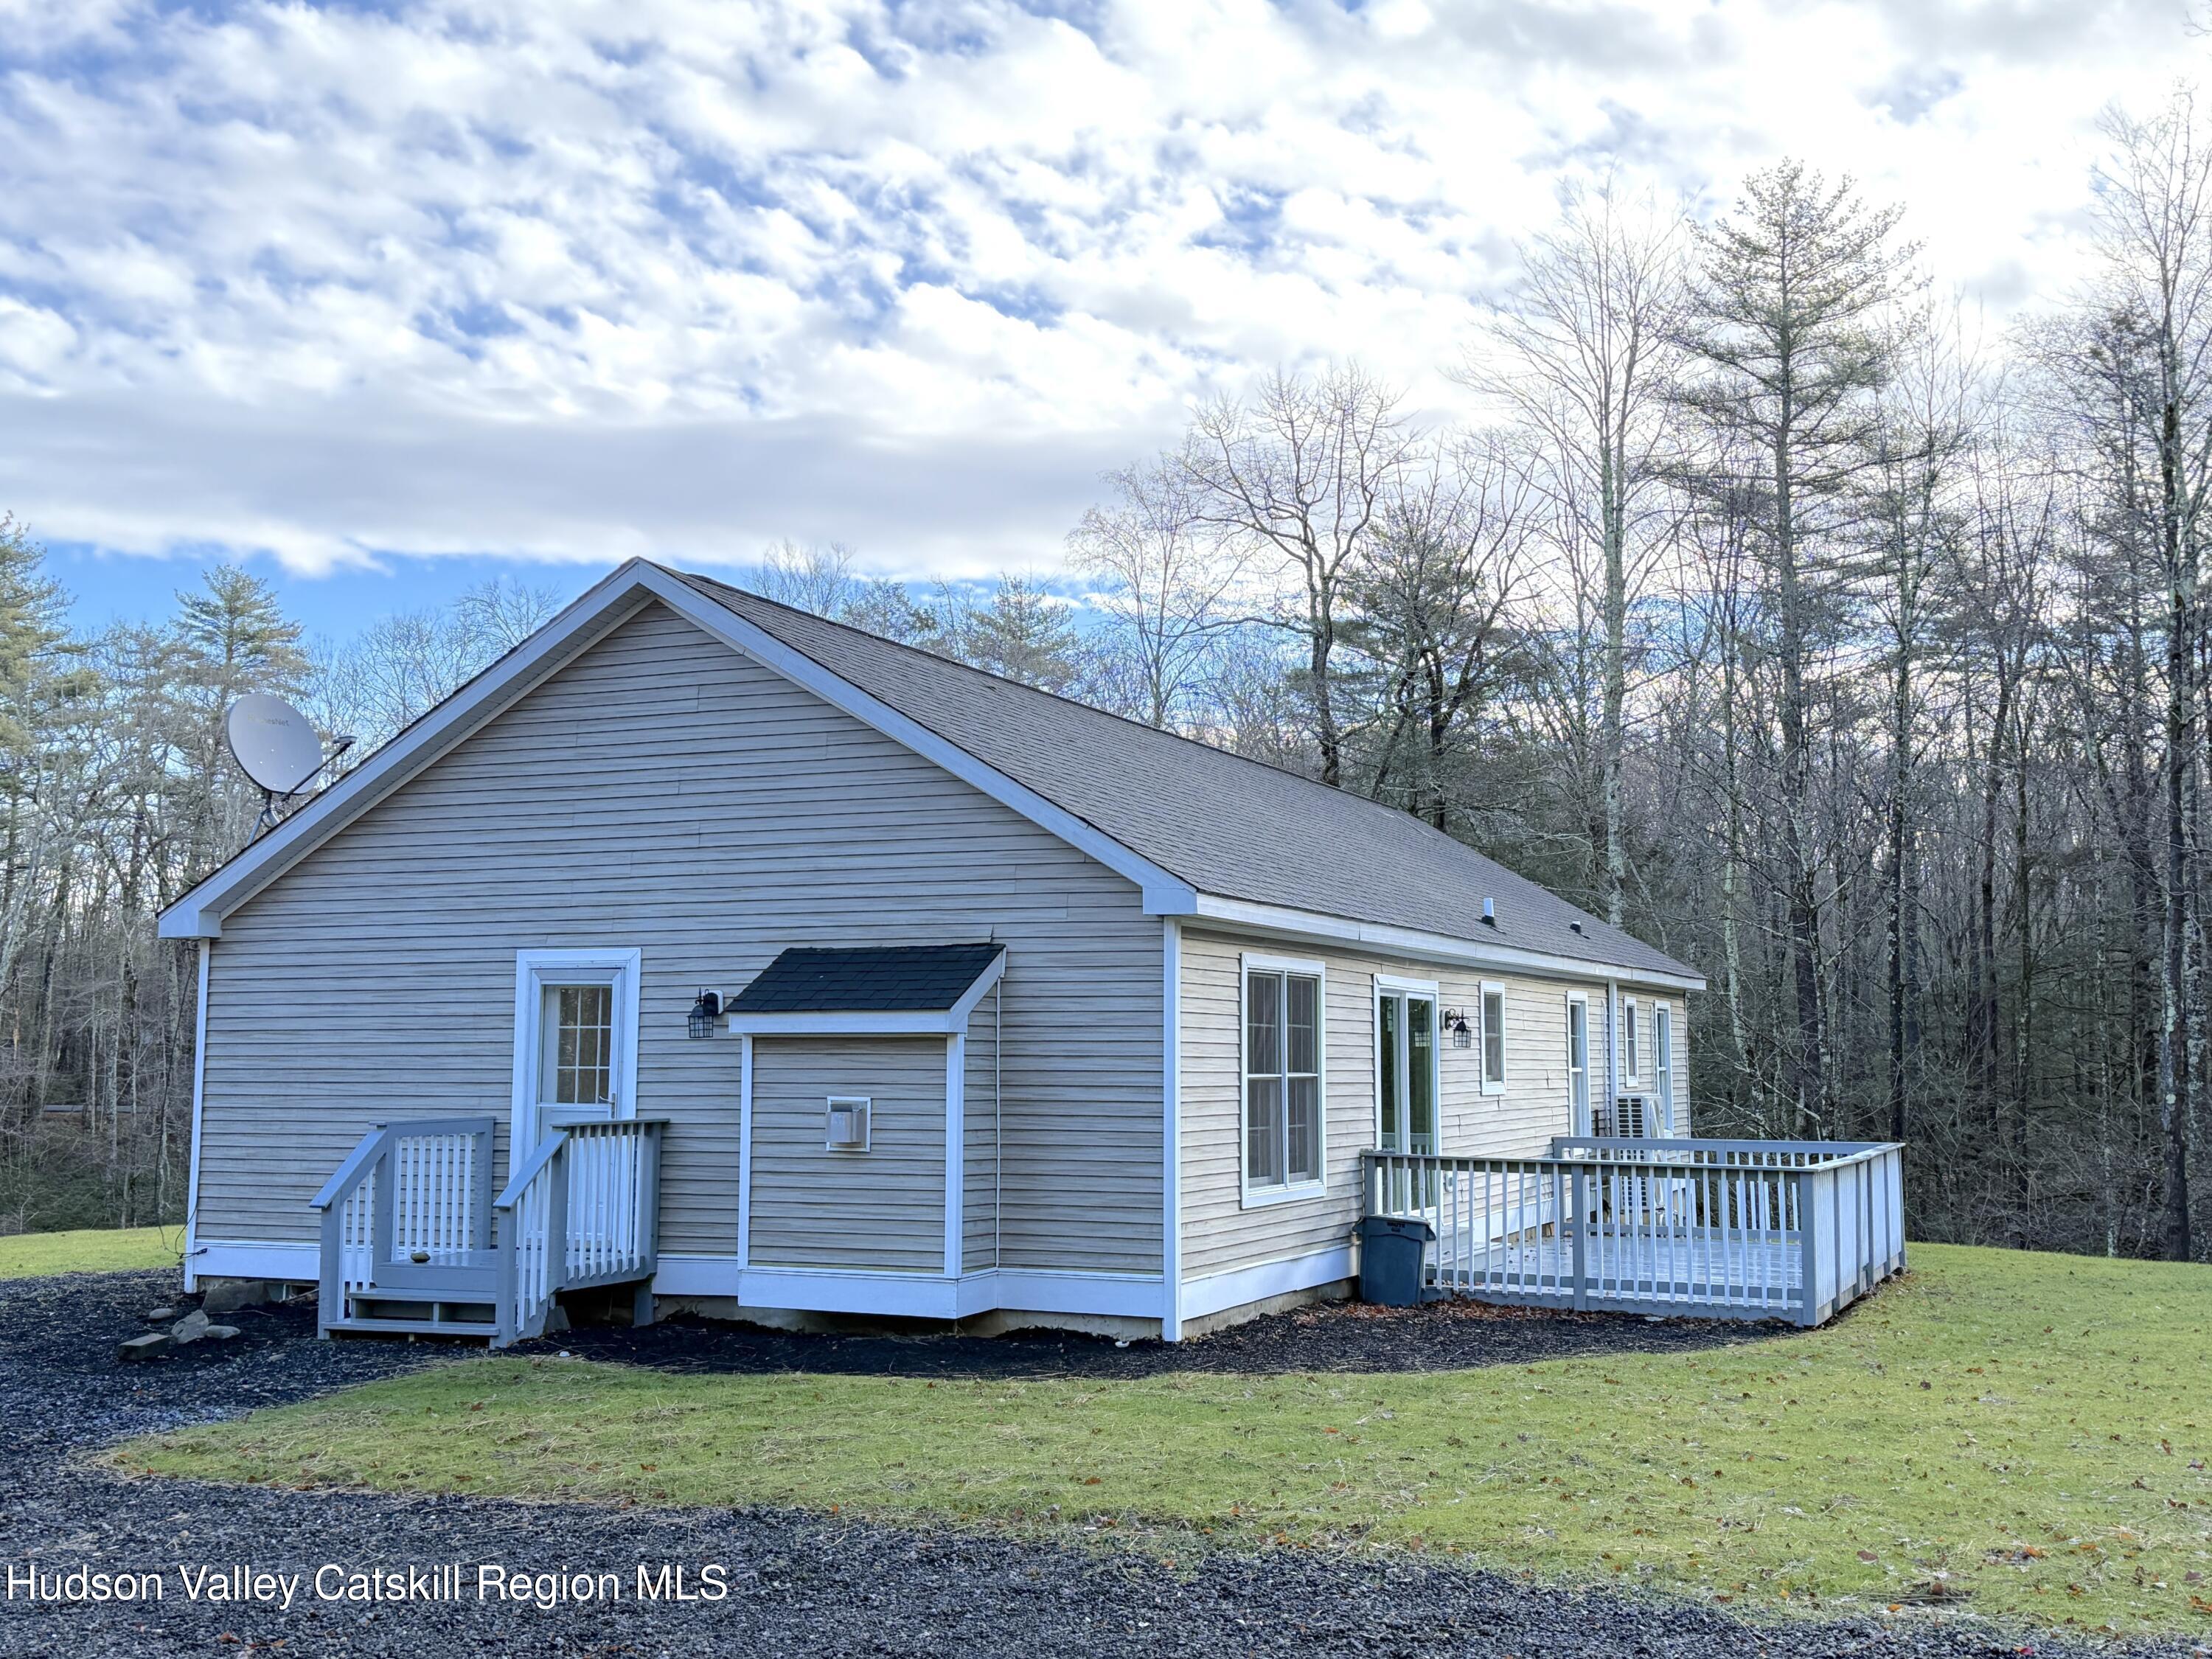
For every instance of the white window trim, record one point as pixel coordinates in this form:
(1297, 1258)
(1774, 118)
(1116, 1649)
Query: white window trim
(534, 970)
(1484, 992)
(1662, 1062)
(867, 1105)
(1398, 984)
(1579, 1123)
(1631, 1047)
(1251, 1197)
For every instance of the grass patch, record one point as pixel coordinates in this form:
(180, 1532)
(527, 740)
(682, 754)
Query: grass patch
(90, 1250)
(2026, 1435)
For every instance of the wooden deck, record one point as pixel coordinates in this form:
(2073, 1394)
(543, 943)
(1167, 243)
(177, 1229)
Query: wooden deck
(1711, 1228)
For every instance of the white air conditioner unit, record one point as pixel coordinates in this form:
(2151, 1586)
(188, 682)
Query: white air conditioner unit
(848, 1124)
(1632, 1117)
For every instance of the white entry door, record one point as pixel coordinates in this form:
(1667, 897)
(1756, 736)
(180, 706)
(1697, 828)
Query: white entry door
(575, 1048)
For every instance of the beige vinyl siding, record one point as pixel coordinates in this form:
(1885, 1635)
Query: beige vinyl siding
(979, 1247)
(1219, 1232)
(879, 1211)
(663, 792)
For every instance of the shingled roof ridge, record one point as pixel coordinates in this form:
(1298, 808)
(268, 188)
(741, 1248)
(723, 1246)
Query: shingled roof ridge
(1396, 815)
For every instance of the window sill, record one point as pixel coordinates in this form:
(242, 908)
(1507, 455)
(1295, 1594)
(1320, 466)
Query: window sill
(1260, 1197)
(1493, 1088)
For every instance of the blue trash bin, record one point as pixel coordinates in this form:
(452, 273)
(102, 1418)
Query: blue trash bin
(1390, 1252)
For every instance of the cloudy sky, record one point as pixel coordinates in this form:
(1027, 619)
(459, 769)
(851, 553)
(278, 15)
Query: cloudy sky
(377, 294)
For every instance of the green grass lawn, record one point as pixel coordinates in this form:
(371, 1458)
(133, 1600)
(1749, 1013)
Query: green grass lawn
(2024, 1435)
(90, 1250)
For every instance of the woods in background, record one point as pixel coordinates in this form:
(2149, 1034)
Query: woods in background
(1760, 606)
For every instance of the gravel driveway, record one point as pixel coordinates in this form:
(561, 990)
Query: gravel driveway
(795, 1585)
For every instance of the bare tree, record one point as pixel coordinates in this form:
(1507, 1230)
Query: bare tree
(1432, 591)
(1585, 356)
(1304, 471)
(1166, 580)
(2154, 231)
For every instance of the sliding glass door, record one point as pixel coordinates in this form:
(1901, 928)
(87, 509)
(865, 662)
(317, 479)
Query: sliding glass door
(1578, 1077)
(1406, 1039)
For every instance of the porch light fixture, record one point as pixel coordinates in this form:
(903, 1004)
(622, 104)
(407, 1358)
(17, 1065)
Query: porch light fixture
(1462, 1036)
(704, 1012)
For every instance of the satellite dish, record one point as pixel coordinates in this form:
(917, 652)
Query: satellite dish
(273, 745)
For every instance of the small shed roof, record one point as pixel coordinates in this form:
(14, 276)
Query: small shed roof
(897, 979)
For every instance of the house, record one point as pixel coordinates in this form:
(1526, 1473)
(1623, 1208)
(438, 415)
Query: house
(783, 969)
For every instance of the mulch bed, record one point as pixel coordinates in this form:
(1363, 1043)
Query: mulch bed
(797, 1584)
(1340, 1336)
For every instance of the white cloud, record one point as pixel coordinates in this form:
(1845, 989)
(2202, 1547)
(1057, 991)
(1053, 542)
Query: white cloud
(572, 280)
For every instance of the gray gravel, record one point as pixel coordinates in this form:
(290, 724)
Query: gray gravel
(796, 1584)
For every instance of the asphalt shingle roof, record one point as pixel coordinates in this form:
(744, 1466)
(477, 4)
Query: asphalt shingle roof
(900, 978)
(1231, 827)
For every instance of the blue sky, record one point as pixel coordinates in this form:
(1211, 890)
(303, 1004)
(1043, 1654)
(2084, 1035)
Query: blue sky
(385, 297)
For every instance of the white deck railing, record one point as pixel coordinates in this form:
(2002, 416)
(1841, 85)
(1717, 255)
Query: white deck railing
(594, 1186)
(1756, 1229)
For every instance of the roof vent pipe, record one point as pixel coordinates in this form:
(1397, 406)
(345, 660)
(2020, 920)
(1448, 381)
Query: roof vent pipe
(1489, 913)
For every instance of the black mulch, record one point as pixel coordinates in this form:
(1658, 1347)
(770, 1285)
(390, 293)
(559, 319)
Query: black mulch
(1342, 1336)
(796, 1584)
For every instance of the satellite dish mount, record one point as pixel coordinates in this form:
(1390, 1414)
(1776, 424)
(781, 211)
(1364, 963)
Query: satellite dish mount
(275, 745)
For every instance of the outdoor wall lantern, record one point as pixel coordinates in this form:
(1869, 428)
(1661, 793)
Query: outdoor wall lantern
(1462, 1036)
(704, 1012)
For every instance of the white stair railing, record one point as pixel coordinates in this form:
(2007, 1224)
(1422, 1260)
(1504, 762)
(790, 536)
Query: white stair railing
(417, 1185)
(581, 1210)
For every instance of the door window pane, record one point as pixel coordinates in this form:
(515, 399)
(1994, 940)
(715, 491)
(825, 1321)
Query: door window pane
(578, 1065)
(1421, 1073)
(1389, 1025)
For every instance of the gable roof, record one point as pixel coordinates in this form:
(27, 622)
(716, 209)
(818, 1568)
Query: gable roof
(893, 979)
(1233, 827)
(1200, 831)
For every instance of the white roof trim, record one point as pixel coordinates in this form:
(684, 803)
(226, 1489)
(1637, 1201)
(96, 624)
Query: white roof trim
(935, 1022)
(598, 611)
(1311, 925)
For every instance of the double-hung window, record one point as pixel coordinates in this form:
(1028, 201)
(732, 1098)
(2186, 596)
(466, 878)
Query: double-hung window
(1284, 1138)
(1631, 1044)
(1493, 1039)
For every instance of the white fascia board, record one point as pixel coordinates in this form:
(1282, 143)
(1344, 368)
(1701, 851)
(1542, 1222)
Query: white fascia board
(599, 610)
(976, 993)
(1165, 893)
(1312, 925)
(934, 1022)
